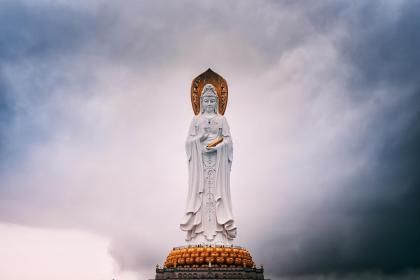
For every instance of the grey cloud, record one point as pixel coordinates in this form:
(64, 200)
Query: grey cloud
(373, 223)
(334, 89)
(35, 40)
(31, 30)
(384, 51)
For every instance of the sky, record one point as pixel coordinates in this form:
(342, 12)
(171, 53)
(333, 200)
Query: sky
(323, 109)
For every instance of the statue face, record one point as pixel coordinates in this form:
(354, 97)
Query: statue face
(209, 104)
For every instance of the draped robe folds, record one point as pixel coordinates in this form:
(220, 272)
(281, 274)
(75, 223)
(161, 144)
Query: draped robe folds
(224, 229)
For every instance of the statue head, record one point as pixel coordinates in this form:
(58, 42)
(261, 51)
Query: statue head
(209, 99)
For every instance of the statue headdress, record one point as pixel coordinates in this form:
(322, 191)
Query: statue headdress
(198, 88)
(208, 90)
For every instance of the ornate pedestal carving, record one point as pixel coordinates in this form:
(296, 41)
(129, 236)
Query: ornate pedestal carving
(209, 262)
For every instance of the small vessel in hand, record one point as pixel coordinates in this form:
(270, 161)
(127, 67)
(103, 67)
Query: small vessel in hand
(215, 142)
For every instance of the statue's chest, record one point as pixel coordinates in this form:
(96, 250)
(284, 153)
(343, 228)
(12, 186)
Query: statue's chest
(210, 126)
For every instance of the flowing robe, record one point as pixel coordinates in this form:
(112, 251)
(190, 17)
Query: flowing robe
(208, 216)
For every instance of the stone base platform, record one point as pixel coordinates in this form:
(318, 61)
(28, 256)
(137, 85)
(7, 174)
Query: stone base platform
(209, 273)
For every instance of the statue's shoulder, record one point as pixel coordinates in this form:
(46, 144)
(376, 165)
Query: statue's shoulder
(196, 120)
(222, 118)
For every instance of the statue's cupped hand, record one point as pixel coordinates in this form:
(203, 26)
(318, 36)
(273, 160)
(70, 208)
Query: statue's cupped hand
(204, 137)
(210, 149)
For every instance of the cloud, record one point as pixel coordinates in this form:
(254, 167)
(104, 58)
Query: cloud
(94, 108)
(51, 254)
(369, 220)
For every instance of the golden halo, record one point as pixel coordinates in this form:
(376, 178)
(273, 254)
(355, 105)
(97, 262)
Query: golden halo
(209, 77)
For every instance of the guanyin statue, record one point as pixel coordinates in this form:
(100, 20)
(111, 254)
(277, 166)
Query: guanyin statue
(208, 218)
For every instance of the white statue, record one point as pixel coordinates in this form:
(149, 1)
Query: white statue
(208, 216)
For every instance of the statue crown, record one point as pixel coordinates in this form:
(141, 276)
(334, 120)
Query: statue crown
(208, 91)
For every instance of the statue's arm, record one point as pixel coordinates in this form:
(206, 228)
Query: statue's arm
(225, 127)
(192, 137)
(227, 138)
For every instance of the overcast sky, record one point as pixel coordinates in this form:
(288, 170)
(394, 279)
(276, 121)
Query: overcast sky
(324, 110)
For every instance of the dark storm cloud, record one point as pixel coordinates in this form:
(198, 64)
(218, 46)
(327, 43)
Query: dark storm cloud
(385, 48)
(374, 224)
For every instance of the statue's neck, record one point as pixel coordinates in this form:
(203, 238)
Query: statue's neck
(209, 115)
